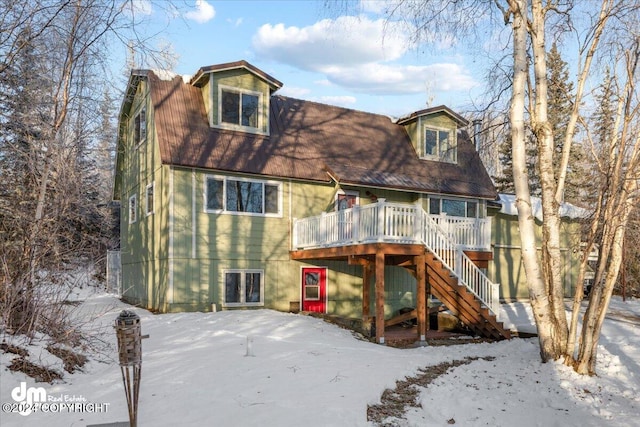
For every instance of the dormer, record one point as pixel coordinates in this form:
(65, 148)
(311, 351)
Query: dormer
(434, 133)
(236, 96)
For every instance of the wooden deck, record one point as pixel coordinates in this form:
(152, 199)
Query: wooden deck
(431, 278)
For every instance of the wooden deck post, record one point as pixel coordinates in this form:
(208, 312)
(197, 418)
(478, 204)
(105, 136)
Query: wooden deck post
(421, 305)
(366, 291)
(380, 297)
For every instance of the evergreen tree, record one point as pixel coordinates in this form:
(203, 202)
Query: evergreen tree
(560, 95)
(504, 180)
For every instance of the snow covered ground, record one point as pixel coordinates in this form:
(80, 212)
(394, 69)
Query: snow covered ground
(265, 368)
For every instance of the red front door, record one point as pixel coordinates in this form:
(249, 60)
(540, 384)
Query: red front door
(314, 289)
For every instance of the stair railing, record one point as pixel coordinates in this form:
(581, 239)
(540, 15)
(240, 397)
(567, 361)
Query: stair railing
(455, 260)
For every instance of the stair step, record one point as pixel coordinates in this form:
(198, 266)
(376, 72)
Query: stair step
(463, 303)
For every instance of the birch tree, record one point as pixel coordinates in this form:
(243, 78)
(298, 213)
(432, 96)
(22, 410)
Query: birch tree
(530, 21)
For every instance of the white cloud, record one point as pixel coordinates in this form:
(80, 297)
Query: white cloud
(294, 92)
(382, 79)
(235, 22)
(323, 82)
(341, 101)
(374, 6)
(204, 12)
(348, 40)
(359, 54)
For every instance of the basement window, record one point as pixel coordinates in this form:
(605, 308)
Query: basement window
(243, 288)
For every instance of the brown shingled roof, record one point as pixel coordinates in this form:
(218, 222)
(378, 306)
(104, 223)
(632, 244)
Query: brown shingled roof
(309, 141)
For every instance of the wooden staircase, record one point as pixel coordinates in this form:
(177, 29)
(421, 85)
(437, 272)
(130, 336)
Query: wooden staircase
(461, 302)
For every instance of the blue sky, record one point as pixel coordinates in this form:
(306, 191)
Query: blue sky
(356, 60)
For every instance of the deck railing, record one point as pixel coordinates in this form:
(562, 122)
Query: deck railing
(386, 222)
(446, 237)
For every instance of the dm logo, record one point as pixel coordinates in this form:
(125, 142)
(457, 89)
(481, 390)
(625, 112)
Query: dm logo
(29, 397)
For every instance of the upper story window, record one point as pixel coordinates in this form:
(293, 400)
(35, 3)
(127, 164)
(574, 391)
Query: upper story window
(239, 107)
(149, 197)
(455, 207)
(140, 126)
(133, 209)
(236, 195)
(440, 144)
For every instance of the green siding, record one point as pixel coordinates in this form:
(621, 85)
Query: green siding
(144, 244)
(203, 249)
(507, 268)
(206, 96)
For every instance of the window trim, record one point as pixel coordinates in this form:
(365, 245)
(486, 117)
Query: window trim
(453, 135)
(243, 288)
(151, 187)
(239, 126)
(224, 210)
(480, 206)
(138, 129)
(133, 209)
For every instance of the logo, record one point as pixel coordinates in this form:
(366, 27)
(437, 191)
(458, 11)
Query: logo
(29, 397)
(35, 399)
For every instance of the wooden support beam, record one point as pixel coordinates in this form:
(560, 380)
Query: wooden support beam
(421, 306)
(379, 297)
(362, 260)
(343, 252)
(367, 273)
(410, 315)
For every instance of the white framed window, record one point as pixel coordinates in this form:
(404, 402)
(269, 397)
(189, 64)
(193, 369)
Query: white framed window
(243, 288)
(242, 196)
(346, 199)
(149, 199)
(440, 144)
(140, 127)
(239, 109)
(456, 207)
(133, 209)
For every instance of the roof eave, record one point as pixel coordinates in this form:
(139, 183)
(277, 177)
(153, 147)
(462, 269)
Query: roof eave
(460, 121)
(203, 71)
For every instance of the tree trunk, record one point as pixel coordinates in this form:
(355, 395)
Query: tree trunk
(537, 292)
(599, 300)
(554, 312)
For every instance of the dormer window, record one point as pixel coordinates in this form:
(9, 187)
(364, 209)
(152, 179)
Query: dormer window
(239, 108)
(440, 144)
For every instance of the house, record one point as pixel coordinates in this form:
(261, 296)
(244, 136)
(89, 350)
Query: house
(235, 197)
(507, 267)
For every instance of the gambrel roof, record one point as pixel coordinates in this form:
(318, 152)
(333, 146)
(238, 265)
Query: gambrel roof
(310, 141)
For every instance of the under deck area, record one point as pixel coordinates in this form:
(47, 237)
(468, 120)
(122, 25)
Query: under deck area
(416, 258)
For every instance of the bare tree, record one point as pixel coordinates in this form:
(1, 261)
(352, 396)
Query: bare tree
(530, 21)
(52, 76)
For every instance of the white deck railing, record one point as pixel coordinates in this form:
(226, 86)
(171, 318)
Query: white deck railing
(446, 237)
(386, 222)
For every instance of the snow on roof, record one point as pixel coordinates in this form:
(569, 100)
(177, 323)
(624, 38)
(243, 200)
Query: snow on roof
(567, 210)
(169, 75)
